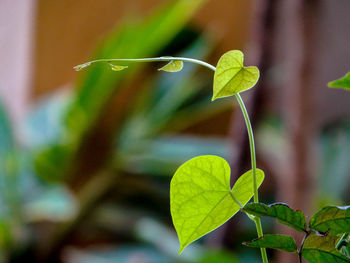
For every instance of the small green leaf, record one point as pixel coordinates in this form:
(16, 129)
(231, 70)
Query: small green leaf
(173, 66)
(343, 83)
(280, 242)
(117, 67)
(334, 219)
(319, 249)
(201, 198)
(231, 77)
(82, 66)
(282, 212)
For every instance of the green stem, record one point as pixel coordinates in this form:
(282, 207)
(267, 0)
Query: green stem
(251, 145)
(243, 109)
(253, 163)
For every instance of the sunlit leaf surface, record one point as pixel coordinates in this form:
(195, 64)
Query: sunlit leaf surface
(232, 77)
(334, 219)
(201, 198)
(318, 249)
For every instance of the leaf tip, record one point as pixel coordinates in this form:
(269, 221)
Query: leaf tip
(81, 66)
(181, 249)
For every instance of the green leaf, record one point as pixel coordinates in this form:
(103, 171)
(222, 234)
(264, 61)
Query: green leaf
(280, 242)
(318, 249)
(82, 66)
(343, 83)
(117, 67)
(335, 219)
(173, 66)
(201, 198)
(282, 212)
(231, 77)
(344, 244)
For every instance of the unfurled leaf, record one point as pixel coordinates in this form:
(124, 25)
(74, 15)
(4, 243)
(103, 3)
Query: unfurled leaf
(201, 198)
(334, 219)
(282, 212)
(232, 77)
(173, 66)
(117, 67)
(280, 242)
(343, 82)
(322, 249)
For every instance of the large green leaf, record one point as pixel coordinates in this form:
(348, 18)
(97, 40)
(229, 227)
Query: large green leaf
(319, 249)
(334, 219)
(280, 242)
(343, 82)
(282, 212)
(201, 198)
(232, 77)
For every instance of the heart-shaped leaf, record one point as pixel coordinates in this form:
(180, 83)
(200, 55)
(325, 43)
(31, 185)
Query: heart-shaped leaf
(201, 198)
(231, 77)
(322, 249)
(343, 83)
(173, 66)
(334, 219)
(282, 212)
(280, 242)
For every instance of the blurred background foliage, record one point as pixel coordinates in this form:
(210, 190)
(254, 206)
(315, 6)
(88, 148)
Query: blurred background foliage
(88, 180)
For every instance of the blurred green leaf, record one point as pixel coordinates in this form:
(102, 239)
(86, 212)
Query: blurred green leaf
(201, 198)
(131, 41)
(332, 219)
(164, 239)
(282, 212)
(96, 85)
(322, 249)
(164, 154)
(113, 254)
(9, 187)
(218, 256)
(334, 144)
(280, 242)
(7, 140)
(54, 203)
(170, 93)
(231, 76)
(343, 82)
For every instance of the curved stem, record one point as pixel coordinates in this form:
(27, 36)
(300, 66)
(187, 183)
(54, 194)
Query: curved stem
(158, 59)
(251, 145)
(245, 115)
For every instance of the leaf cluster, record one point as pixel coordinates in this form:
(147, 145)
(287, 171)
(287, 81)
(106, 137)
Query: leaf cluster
(325, 234)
